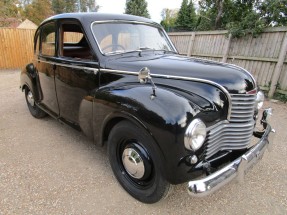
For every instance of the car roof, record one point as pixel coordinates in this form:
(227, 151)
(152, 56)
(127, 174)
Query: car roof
(85, 18)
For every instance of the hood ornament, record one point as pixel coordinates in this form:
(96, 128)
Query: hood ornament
(144, 76)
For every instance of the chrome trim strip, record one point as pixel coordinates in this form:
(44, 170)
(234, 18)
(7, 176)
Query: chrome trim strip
(119, 71)
(127, 21)
(181, 78)
(133, 22)
(71, 66)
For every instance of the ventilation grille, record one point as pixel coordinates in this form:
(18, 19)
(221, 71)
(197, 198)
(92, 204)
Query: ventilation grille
(237, 133)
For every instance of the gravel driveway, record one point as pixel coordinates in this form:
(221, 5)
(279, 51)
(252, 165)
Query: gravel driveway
(49, 168)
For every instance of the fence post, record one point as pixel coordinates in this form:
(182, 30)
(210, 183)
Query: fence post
(227, 47)
(278, 67)
(190, 44)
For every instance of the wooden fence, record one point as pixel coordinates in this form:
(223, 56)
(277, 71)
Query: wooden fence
(16, 47)
(264, 56)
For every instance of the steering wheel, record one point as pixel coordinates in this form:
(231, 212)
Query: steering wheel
(113, 45)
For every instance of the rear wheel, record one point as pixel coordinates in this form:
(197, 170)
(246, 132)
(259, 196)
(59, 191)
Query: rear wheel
(33, 108)
(135, 161)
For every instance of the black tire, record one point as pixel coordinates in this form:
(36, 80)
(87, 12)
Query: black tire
(33, 108)
(152, 186)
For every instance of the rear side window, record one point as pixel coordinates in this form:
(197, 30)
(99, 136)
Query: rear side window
(48, 39)
(73, 42)
(72, 37)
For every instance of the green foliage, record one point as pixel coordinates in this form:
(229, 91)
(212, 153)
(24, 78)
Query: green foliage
(186, 19)
(250, 24)
(168, 19)
(59, 6)
(281, 97)
(87, 5)
(63, 6)
(274, 12)
(38, 10)
(239, 17)
(137, 8)
(8, 9)
(208, 11)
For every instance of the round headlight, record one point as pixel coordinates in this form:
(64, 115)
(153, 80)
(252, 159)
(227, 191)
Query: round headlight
(259, 99)
(195, 135)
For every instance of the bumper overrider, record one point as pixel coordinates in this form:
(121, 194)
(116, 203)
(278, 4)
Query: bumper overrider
(238, 167)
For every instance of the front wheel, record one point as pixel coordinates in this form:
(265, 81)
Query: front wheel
(33, 108)
(136, 163)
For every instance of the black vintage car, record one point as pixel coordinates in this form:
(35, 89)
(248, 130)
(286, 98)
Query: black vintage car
(166, 118)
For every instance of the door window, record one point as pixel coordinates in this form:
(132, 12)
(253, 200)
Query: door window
(48, 39)
(73, 42)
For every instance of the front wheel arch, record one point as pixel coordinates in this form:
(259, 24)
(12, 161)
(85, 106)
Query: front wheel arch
(114, 118)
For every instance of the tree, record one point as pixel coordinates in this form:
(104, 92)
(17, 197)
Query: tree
(38, 10)
(137, 8)
(240, 17)
(58, 6)
(186, 19)
(168, 18)
(89, 5)
(274, 12)
(212, 14)
(8, 9)
(92, 6)
(63, 6)
(243, 18)
(249, 24)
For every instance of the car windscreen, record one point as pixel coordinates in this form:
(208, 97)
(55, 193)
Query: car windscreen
(114, 38)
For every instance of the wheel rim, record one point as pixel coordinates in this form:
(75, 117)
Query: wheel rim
(133, 163)
(30, 99)
(136, 163)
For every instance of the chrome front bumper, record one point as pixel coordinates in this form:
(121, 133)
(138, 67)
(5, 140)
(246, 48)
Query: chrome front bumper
(237, 168)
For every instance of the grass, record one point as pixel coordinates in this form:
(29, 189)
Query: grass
(280, 97)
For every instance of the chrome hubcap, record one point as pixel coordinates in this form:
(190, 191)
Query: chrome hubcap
(30, 98)
(133, 163)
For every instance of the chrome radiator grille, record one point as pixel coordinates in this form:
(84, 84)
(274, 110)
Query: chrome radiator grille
(237, 133)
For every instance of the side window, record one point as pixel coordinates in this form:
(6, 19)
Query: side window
(73, 43)
(48, 39)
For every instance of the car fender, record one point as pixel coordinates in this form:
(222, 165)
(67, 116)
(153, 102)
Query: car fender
(165, 115)
(29, 78)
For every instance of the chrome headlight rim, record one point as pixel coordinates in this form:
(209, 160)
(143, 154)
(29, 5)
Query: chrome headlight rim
(260, 97)
(195, 135)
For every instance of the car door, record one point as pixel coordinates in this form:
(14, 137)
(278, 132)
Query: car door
(46, 69)
(76, 76)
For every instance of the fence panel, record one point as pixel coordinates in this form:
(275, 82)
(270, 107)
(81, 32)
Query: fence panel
(16, 47)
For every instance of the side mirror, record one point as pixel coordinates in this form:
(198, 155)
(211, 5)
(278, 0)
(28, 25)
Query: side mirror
(144, 75)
